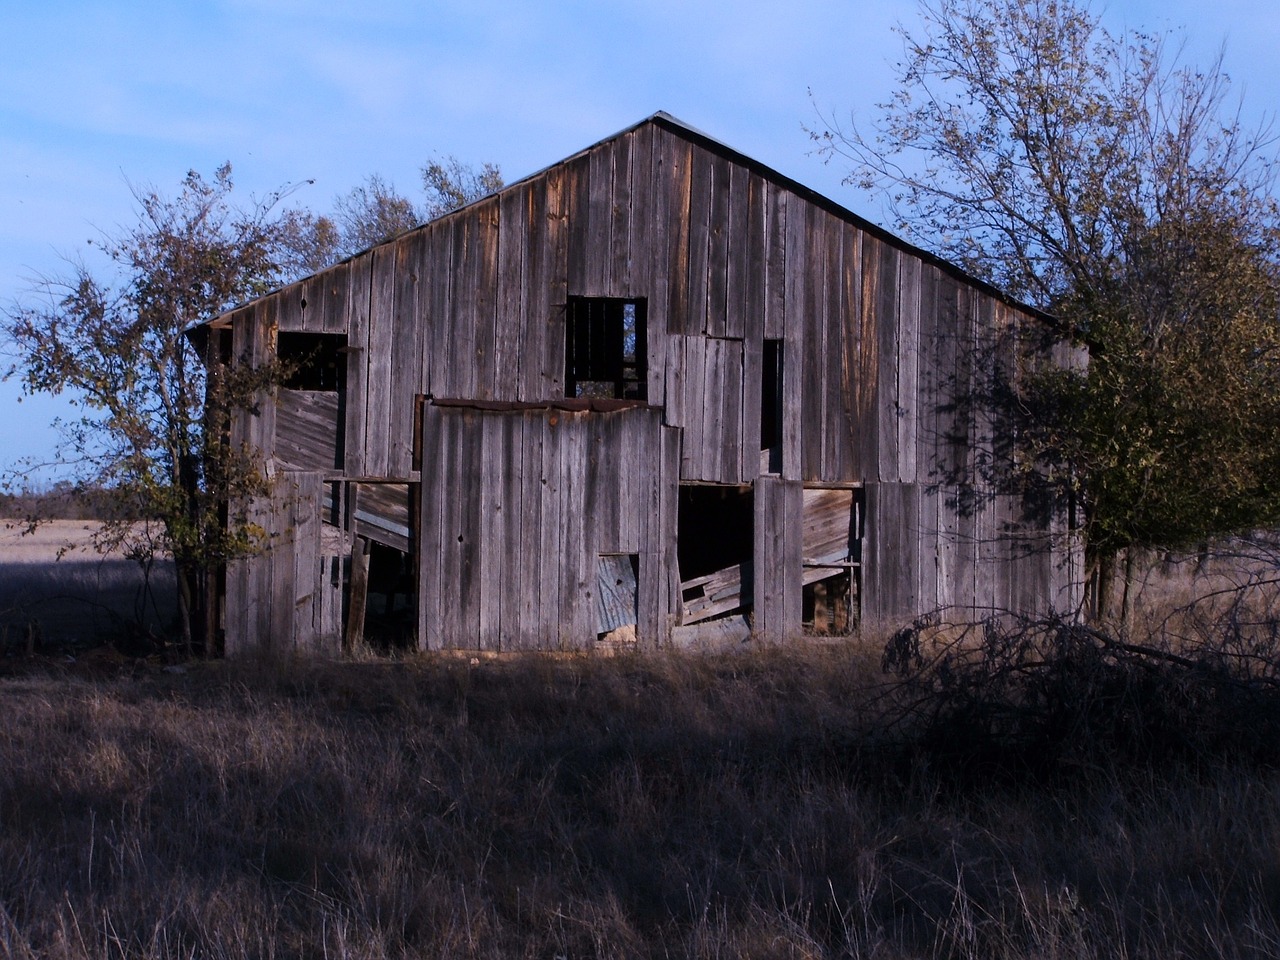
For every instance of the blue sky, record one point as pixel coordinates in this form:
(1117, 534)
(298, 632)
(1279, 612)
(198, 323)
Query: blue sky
(95, 94)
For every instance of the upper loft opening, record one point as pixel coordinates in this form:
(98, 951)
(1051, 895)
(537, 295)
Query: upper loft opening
(605, 348)
(312, 361)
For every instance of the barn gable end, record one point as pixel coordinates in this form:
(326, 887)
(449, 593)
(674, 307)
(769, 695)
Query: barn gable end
(652, 391)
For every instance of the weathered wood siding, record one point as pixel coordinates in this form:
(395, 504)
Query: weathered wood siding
(518, 506)
(885, 354)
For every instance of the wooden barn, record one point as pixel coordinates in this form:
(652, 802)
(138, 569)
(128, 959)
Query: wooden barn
(656, 393)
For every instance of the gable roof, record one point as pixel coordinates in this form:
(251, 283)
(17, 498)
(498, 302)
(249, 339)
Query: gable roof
(706, 142)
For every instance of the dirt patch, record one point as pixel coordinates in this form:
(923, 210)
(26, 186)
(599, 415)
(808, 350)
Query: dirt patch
(57, 590)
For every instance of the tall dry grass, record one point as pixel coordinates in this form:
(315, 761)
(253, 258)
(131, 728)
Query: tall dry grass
(676, 806)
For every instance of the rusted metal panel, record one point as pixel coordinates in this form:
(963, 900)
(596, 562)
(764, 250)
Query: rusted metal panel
(617, 592)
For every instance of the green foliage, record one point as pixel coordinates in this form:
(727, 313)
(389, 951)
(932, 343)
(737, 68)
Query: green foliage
(1101, 180)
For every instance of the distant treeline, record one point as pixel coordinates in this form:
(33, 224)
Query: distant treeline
(68, 501)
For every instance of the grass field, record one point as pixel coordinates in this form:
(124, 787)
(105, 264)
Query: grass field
(1037, 792)
(733, 806)
(56, 590)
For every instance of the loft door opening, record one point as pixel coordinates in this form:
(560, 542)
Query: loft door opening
(605, 348)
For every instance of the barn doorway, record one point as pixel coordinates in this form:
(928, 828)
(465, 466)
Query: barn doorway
(716, 529)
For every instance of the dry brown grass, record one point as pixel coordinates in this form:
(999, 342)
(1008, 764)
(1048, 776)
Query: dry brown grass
(734, 806)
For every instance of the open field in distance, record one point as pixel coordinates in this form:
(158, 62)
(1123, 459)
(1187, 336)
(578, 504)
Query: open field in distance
(82, 597)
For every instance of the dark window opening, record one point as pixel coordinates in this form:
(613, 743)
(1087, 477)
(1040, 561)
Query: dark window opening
(715, 541)
(313, 361)
(771, 396)
(391, 606)
(605, 348)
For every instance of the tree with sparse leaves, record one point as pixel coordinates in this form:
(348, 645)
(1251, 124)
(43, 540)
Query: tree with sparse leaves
(118, 350)
(1097, 177)
(152, 421)
(375, 211)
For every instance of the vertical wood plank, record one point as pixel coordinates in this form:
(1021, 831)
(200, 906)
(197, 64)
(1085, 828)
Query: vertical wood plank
(670, 442)
(814, 301)
(510, 325)
(678, 157)
(648, 515)
(557, 246)
(552, 530)
(908, 364)
(357, 360)
(465, 277)
(700, 195)
(487, 214)
(381, 326)
(695, 360)
(406, 351)
(435, 307)
(835, 328)
(598, 251)
(776, 270)
(572, 542)
(471, 501)
(792, 558)
(490, 490)
(451, 628)
(433, 493)
(640, 217)
(514, 572)
(740, 247)
(718, 248)
(733, 412)
(289, 313)
(707, 454)
(306, 594)
(532, 530)
(794, 343)
(868, 361)
(619, 211)
(582, 259)
(887, 375)
(335, 287)
(847, 385)
(535, 308)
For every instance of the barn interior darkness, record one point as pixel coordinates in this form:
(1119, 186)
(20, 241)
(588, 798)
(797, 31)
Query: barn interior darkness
(716, 529)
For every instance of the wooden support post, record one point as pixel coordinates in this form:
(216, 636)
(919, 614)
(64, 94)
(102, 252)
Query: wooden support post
(359, 593)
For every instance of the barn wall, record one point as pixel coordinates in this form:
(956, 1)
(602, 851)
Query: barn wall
(518, 506)
(886, 357)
